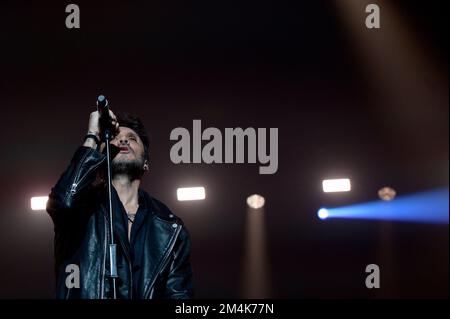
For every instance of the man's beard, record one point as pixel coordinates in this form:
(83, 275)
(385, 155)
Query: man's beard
(133, 169)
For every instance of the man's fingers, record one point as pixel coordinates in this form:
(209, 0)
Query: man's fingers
(112, 115)
(114, 120)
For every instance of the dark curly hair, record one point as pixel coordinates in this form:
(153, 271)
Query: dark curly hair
(133, 122)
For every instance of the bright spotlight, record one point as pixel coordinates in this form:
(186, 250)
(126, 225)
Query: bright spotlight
(386, 193)
(336, 185)
(39, 202)
(322, 213)
(255, 201)
(191, 193)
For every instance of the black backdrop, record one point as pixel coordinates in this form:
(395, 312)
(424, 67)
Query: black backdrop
(286, 64)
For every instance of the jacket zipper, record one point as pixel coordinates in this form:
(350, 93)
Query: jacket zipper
(74, 185)
(73, 188)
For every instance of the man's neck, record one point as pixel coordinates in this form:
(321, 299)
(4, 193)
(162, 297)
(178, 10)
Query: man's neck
(127, 191)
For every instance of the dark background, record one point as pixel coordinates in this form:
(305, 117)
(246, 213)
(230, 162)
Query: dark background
(293, 65)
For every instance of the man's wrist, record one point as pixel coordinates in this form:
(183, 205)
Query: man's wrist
(92, 140)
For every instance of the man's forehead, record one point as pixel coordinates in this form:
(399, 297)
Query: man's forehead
(126, 130)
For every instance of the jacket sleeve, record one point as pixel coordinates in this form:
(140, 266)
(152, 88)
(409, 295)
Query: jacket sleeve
(180, 280)
(67, 194)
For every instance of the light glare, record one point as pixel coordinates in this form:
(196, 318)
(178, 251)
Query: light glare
(39, 202)
(255, 201)
(336, 185)
(387, 193)
(191, 193)
(322, 213)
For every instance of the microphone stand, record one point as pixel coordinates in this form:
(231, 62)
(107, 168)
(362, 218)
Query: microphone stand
(105, 125)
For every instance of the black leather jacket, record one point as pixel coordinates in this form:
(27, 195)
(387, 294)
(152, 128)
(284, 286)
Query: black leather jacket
(81, 219)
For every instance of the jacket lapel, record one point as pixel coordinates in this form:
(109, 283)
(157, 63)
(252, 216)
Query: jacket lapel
(161, 235)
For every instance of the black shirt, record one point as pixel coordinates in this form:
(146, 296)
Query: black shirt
(133, 248)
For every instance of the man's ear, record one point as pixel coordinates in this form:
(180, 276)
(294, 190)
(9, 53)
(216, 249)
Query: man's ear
(145, 166)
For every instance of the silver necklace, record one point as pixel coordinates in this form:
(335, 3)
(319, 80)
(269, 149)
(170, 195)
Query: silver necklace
(131, 216)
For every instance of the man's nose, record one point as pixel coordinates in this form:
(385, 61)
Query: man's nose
(123, 141)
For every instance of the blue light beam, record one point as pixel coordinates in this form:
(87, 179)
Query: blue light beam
(426, 207)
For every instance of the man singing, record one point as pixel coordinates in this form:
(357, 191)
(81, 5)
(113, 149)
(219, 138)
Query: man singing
(153, 245)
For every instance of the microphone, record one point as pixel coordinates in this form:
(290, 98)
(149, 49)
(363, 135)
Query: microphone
(102, 104)
(105, 122)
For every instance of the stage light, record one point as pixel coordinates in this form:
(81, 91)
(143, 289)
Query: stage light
(322, 213)
(425, 207)
(336, 185)
(39, 202)
(191, 193)
(255, 201)
(392, 59)
(256, 270)
(386, 193)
